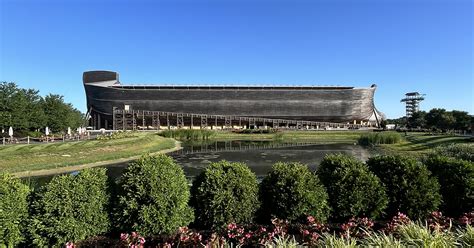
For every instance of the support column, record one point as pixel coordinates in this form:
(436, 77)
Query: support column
(179, 120)
(124, 123)
(114, 125)
(203, 121)
(228, 122)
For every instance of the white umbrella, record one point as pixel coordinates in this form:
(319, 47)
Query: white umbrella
(68, 131)
(46, 131)
(10, 131)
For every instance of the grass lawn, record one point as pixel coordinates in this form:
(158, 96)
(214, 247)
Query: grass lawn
(418, 144)
(296, 136)
(16, 158)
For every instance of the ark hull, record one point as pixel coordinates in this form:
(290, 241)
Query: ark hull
(331, 104)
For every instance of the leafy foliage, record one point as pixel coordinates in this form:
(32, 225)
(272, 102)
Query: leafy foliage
(224, 192)
(466, 237)
(25, 109)
(13, 210)
(417, 120)
(414, 235)
(154, 197)
(459, 151)
(353, 190)
(60, 115)
(409, 185)
(291, 191)
(116, 135)
(456, 178)
(70, 208)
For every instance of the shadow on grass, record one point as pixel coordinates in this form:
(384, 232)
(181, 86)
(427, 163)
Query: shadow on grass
(419, 143)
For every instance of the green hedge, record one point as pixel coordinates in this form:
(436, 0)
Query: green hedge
(154, 197)
(459, 151)
(410, 186)
(291, 191)
(353, 190)
(13, 210)
(224, 192)
(456, 178)
(70, 208)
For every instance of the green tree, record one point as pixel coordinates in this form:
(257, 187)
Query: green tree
(417, 120)
(291, 191)
(13, 210)
(353, 190)
(154, 197)
(60, 115)
(462, 120)
(26, 110)
(439, 119)
(7, 90)
(223, 193)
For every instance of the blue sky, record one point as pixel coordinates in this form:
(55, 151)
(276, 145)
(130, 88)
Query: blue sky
(402, 46)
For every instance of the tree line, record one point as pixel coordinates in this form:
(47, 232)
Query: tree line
(437, 119)
(26, 111)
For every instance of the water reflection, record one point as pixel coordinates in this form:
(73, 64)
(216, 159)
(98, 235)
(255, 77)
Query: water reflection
(258, 155)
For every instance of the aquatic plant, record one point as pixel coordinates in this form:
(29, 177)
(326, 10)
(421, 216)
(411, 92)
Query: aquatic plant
(188, 134)
(378, 138)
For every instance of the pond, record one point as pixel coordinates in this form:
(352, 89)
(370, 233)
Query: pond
(258, 155)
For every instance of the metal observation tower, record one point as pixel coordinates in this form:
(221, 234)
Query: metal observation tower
(412, 101)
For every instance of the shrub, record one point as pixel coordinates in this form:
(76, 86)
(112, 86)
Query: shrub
(154, 197)
(459, 151)
(409, 185)
(353, 190)
(116, 135)
(291, 191)
(223, 193)
(70, 208)
(13, 210)
(188, 134)
(379, 138)
(456, 179)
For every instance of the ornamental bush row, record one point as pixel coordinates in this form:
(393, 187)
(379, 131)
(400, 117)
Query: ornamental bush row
(153, 196)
